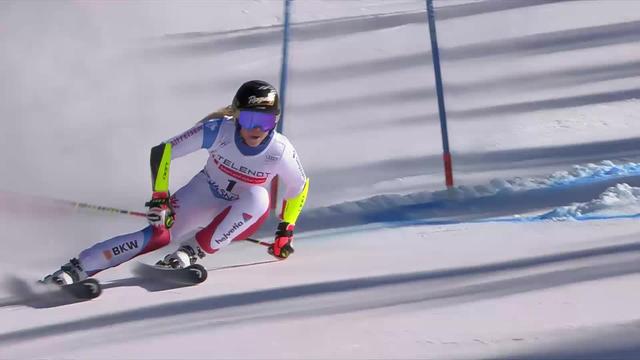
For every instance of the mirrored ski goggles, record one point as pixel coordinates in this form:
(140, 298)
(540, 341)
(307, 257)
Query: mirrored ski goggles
(254, 119)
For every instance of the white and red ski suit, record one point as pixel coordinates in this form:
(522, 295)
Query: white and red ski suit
(227, 200)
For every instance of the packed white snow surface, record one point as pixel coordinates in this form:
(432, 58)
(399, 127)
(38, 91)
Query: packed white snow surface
(543, 110)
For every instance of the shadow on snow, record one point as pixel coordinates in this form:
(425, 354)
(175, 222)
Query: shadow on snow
(459, 285)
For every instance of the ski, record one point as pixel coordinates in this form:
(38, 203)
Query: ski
(190, 275)
(86, 289)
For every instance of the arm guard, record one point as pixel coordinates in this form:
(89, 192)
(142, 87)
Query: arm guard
(160, 162)
(292, 207)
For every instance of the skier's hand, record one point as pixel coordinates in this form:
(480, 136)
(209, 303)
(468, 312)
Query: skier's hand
(160, 213)
(281, 247)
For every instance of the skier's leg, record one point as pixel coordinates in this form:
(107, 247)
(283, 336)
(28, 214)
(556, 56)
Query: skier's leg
(193, 209)
(194, 205)
(198, 219)
(122, 248)
(237, 220)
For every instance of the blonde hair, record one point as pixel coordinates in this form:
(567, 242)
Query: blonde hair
(227, 111)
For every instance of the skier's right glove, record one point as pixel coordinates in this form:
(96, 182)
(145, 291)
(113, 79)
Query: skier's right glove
(160, 213)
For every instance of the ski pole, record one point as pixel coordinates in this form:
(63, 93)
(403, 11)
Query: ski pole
(255, 241)
(80, 205)
(27, 202)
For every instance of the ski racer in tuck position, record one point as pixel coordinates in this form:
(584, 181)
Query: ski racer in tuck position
(225, 201)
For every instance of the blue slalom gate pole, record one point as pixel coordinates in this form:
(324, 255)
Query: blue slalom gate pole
(283, 91)
(446, 155)
(285, 63)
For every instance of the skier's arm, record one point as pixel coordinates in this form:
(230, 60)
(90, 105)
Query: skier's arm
(160, 213)
(292, 206)
(296, 187)
(295, 195)
(201, 136)
(160, 162)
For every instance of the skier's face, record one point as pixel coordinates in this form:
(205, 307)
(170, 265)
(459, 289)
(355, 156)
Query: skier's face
(253, 137)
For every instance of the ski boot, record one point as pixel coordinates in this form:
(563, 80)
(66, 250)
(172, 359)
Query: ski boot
(185, 256)
(69, 273)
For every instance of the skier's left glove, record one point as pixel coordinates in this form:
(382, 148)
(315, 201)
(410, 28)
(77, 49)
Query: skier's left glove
(281, 247)
(160, 211)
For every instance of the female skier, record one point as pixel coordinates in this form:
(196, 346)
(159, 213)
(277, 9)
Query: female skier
(225, 201)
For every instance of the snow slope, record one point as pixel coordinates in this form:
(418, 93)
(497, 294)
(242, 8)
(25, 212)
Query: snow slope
(533, 254)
